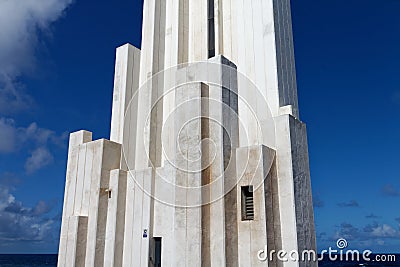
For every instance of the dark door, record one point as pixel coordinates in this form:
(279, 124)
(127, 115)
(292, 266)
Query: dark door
(157, 251)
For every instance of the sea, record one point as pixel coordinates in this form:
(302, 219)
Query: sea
(51, 260)
(36, 260)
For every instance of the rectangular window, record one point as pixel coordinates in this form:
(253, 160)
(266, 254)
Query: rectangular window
(157, 251)
(247, 203)
(211, 29)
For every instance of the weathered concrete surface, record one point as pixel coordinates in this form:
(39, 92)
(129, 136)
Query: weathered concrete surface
(185, 140)
(85, 212)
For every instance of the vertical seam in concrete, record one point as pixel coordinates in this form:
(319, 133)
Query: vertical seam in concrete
(76, 180)
(67, 218)
(278, 34)
(135, 216)
(253, 55)
(186, 191)
(90, 183)
(83, 183)
(141, 216)
(284, 53)
(288, 52)
(290, 138)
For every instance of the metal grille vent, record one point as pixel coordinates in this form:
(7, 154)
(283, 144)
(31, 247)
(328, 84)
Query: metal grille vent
(247, 203)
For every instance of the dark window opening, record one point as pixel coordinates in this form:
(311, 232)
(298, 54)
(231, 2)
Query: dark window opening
(157, 251)
(247, 203)
(211, 29)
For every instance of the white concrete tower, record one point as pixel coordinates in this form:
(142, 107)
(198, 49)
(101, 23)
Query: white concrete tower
(207, 163)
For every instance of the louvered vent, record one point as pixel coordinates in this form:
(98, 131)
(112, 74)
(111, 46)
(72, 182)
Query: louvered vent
(247, 203)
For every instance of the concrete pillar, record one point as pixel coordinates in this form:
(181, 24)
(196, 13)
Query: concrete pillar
(81, 241)
(76, 139)
(115, 229)
(295, 196)
(198, 31)
(138, 218)
(150, 109)
(253, 166)
(106, 157)
(187, 217)
(129, 219)
(124, 119)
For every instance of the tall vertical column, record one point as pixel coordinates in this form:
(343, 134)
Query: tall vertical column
(254, 166)
(85, 206)
(285, 55)
(138, 218)
(228, 25)
(107, 157)
(183, 46)
(295, 197)
(187, 214)
(129, 219)
(286, 186)
(219, 26)
(177, 45)
(257, 36)
(223, 127)
(126, 85)
(164, 212)
(113, 251)
(69, 226)
(81, 241)
(198, 31)
(150, 107)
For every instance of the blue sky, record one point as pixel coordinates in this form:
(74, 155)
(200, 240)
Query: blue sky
(56, 76)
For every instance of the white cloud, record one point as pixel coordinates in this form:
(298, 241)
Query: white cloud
(39, 158)
(37, 139)
(42, 136)
(12, 138)
(21, 223)
(371, 232)
(13, 97)
(20, 22)
(385, 231)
